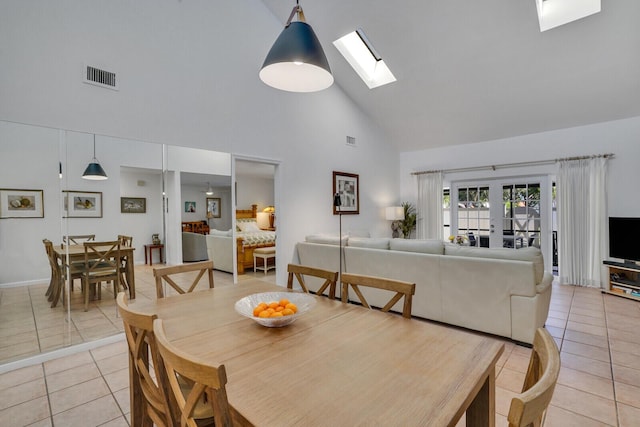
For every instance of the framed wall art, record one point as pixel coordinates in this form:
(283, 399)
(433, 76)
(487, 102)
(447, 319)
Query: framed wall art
(21, 203)
(189, 206)
(82, 204)
(133, 205)
(347, 187)
(213, 207)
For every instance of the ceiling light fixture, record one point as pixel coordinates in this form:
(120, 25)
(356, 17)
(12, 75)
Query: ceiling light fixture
(296, 61)
(553, 13)
(363, 58)
(209, 191)
(94, 171)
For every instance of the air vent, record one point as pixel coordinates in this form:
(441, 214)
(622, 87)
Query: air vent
(102, 78)
(351, 141)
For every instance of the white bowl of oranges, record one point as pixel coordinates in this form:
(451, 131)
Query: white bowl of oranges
(275, 309)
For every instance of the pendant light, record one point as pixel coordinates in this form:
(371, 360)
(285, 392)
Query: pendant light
(94, 171)
(209, 191)
(296, 61)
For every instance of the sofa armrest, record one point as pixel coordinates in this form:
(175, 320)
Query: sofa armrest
(547, 279)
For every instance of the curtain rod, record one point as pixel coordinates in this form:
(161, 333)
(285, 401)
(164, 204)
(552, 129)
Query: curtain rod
(514, 165)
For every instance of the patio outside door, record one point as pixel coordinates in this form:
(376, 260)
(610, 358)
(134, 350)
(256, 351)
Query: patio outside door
(507, 213)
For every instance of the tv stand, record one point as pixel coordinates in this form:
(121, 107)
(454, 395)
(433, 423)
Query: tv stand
(624, 279)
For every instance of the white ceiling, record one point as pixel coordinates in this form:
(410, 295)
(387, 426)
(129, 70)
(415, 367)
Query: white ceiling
(471, 71)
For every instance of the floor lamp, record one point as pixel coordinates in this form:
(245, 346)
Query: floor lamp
(337, 203)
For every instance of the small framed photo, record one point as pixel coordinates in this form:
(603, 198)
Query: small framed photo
(133, 205)
(82, 204)
(213, 207)
(21, 203)
(346, 189)
(189, 206)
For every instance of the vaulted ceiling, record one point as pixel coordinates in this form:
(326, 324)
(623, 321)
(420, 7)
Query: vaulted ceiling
(470, 71)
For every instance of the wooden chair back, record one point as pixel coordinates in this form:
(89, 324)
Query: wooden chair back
(78, 239)
(527, 408)
(56, 283)
(209, 383)
(165, 273)
(299, 271)
(138, 329)
(101, 264)
(125, 241)
(401, 289)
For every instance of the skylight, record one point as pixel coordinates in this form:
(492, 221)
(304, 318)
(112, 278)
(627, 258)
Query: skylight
(363, 58)
(553, 13)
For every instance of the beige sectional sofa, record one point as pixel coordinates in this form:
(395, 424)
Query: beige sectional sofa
(504, 292)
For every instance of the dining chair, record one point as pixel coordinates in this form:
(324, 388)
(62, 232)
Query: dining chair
(55, 284)
(138, 329)
(125, 242)
(78, 239)
(528, 407)
(101, 264)
(178, 271)
(299, 271)
(208, 384)
(400, 288)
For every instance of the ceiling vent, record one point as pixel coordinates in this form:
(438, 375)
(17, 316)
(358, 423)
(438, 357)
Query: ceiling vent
(351, 141)
(102, 78)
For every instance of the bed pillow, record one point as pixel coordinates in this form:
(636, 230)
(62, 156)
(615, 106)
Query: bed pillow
(249, 226)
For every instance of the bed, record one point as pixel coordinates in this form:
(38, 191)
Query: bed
(250, 237)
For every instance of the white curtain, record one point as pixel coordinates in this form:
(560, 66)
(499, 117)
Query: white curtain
(582, 214)
(429, 222)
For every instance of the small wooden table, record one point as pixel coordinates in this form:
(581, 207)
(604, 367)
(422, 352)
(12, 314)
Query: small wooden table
(338, 364)
(148, 249)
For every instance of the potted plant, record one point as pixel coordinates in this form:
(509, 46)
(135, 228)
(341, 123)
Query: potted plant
(408, 224)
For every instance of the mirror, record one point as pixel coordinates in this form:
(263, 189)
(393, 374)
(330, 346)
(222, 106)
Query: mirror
(50, 162)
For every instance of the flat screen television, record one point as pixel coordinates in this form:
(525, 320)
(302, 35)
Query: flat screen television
(624, 238)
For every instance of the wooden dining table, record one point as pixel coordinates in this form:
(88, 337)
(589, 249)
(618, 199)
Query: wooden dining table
(76, 254)
(338, 364)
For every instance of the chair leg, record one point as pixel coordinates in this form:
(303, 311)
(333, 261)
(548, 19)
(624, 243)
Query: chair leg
(86, 291)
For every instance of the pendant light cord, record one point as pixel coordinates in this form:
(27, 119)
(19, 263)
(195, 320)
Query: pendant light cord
(296, 9)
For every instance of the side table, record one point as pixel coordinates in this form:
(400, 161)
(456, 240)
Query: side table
(148, 250)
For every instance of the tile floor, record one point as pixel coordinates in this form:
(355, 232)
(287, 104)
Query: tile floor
(599, 383)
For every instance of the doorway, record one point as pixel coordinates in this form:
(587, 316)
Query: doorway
(509, 213)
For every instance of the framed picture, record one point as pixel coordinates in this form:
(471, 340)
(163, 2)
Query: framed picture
(82, 204)
(213, 207)
(133, 205)
(189, 206)
(21, 203)
(346, 186)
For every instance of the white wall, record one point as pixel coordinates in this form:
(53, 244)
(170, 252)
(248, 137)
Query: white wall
(183, 83)
(252, 190)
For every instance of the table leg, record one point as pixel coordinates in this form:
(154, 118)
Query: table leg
(160, 250)
(151, 255)
(145, 255)
(482, 411)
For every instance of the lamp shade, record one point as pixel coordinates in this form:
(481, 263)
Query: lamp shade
(94, 171)
(394, 213)
(296, 61)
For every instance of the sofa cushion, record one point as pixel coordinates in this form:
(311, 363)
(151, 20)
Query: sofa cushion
(358, 233)
(425, 246)
(368, 242)
(326, 239)
(531, 254)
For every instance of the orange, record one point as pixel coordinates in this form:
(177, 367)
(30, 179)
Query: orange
(292, 307)
(258, 310)
(284, 302)
(279, 308)
(276, 314)
(264, 313)
(287, 312)
(273, 304)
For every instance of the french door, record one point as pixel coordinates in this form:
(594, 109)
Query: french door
(507, 213)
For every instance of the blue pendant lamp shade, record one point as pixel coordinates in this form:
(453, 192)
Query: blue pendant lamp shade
(296, 61)
(94, 171)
